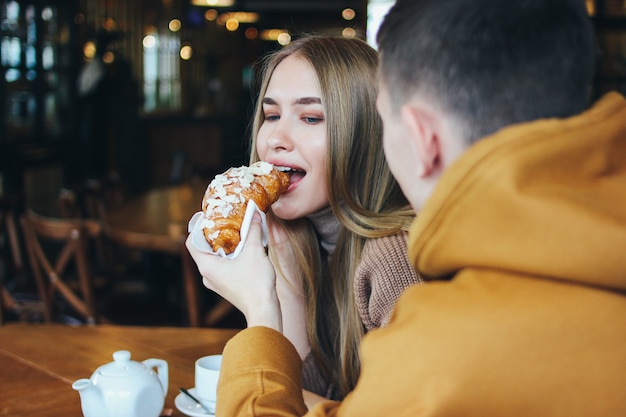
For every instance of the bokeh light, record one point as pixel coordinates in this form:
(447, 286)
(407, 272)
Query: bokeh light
(89, 50)
(46, 14)
(348, 14)
(348, 33)
(220, 3)
(186, 52)
(251, 33)
(232, 24)
(174, 25)
(210, 15)
(108, 57)
(109, 24)
(149, 41)
(284, 38)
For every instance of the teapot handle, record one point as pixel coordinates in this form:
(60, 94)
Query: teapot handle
(161, 370)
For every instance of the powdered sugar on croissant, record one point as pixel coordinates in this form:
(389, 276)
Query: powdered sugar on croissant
(226, 198)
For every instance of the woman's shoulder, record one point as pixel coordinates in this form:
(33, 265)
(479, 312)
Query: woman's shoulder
(385, 262)
(382, 275)
(386, 246)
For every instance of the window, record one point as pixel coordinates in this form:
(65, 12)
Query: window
(161, 71)
(376, 11)
(30, 39)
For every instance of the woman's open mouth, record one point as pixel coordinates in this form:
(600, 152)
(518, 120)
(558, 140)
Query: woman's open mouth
(295, 175)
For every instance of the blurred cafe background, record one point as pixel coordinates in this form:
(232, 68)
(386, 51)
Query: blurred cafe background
(127, 97)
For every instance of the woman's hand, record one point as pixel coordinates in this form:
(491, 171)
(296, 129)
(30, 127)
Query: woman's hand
(289, 289)
(248, 281)
(311, 399)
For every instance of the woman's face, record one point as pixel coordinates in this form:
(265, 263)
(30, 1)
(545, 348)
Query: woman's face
(293, 135)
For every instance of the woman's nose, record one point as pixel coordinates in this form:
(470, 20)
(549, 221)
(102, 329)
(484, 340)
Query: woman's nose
(280, 137)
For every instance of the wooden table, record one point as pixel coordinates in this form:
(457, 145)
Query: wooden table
(157, 221)
(39, 362)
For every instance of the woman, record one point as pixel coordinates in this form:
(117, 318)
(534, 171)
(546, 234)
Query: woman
(337, 236)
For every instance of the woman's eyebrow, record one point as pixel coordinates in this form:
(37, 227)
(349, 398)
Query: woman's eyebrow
(308, 100)
(269, 100)
(302, 100)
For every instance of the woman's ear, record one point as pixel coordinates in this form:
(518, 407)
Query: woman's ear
(423, 128)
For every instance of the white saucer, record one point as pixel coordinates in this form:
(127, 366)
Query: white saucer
(189, 407)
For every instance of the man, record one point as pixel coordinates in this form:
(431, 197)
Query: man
(521, 194)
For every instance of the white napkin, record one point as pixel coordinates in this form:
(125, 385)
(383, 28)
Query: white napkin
(200, 243)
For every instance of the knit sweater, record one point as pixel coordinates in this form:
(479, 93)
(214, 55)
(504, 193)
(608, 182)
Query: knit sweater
(383, 273)
(531, 225)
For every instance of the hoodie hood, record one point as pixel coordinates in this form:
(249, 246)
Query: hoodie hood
(545, 198)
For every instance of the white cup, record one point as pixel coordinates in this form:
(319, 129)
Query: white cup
(207, 374)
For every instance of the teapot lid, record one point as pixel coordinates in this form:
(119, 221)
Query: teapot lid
(121, 365)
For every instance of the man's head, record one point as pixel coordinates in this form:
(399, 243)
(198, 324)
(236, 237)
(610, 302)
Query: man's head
(454, 71)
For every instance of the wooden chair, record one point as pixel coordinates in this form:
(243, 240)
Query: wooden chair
(69, 204)
(13, 261)
(13, 265)
(89, 200)
(92, 198)
(114, 190)
(66, 240)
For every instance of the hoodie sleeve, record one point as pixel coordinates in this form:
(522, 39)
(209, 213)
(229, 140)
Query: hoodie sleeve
(261, 376)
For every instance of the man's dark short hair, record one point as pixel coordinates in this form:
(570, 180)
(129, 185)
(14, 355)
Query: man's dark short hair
(490, 63)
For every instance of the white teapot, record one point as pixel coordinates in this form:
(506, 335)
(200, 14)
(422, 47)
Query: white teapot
(124, 388)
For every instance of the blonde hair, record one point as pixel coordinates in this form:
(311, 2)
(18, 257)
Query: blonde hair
(363, 195)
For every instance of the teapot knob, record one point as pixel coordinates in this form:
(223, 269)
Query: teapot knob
(121, 356)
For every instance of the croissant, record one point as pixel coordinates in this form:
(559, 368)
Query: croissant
(226, 198)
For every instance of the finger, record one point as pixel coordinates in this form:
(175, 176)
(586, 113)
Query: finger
(255, 233)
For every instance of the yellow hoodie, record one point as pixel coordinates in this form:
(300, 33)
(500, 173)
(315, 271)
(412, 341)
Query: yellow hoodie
(530, 223)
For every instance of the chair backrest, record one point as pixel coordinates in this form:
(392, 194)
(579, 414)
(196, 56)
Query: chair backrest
(115, 190)
(52, 268)
(11, 255)
(8, 227)
(92, 198)
(82, 201)
(69, 204)
(87, 200)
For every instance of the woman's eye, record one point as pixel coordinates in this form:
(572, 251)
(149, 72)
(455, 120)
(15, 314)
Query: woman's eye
(271, 117)
(313, 120)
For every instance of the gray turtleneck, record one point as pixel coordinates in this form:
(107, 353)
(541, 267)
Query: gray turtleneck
(327, 227)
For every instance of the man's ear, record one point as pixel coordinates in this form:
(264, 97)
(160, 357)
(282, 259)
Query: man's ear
(424, 133)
